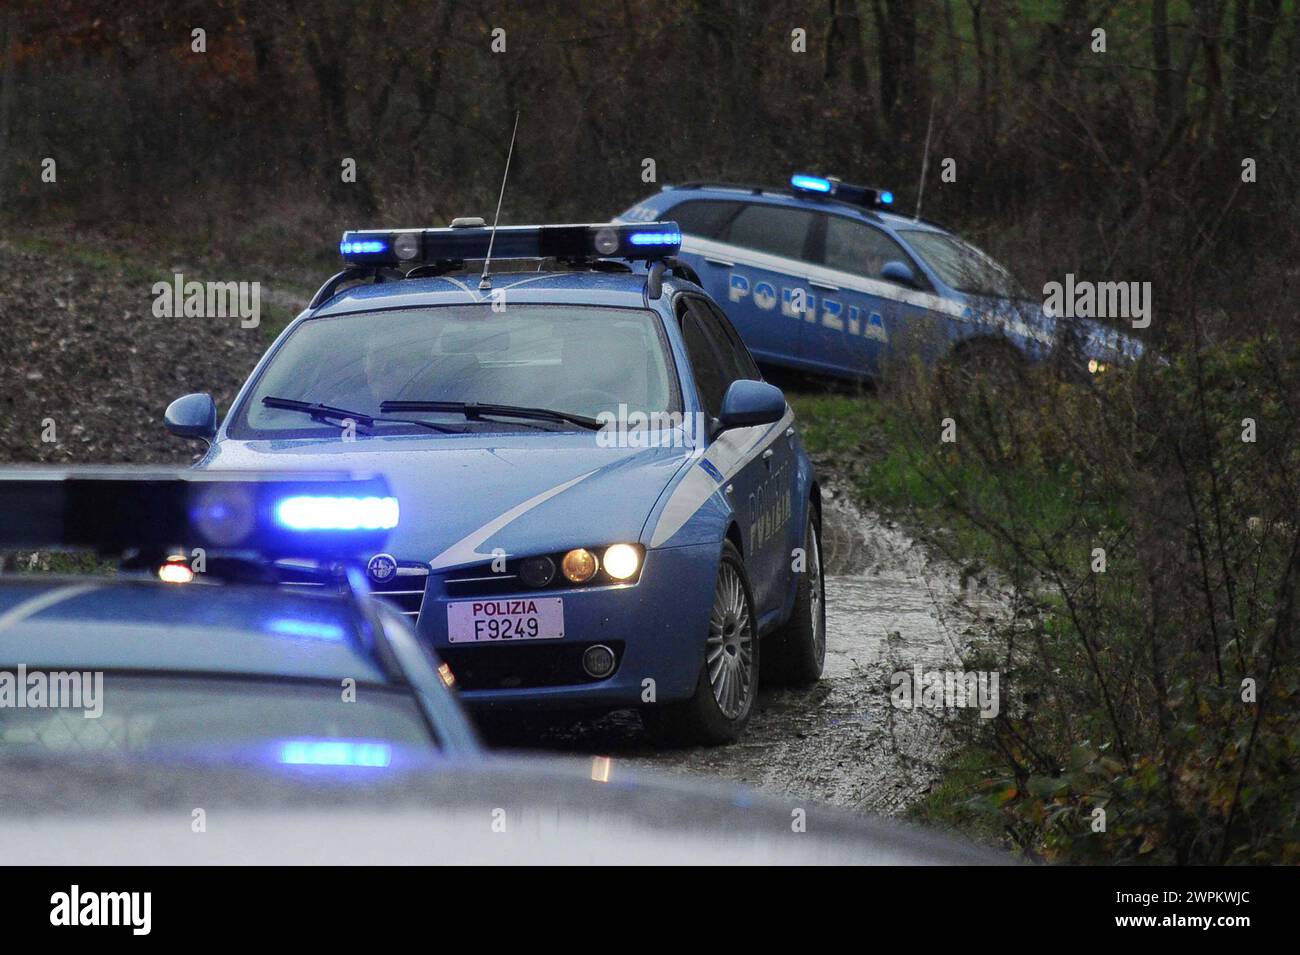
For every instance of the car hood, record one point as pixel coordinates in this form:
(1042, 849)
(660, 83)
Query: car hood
(462, 496)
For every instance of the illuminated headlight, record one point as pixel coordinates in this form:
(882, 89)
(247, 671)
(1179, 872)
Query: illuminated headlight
(579, 565)
(175, 571)
(1096, 367)
(621, 561)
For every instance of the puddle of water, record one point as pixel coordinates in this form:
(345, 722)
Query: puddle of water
(888, 606)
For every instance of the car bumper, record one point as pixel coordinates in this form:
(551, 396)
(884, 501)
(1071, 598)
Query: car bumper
(657, 628)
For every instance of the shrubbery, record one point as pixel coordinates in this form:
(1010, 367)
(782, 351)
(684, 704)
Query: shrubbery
(1163, 689)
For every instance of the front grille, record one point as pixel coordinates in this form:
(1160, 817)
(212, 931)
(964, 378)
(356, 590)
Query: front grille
(521, 666)
(405, 591)
(482, 582)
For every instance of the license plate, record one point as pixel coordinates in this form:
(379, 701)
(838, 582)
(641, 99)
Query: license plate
(504, 621)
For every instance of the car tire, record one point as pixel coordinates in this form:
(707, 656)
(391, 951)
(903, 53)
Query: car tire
(796, 654)
(726, 689)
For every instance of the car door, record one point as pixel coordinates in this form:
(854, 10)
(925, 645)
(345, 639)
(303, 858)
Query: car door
(750, 257)
(862, 317)
(756, 462)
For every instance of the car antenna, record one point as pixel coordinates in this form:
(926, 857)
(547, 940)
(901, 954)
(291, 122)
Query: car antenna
(484, 282)
(925, 162)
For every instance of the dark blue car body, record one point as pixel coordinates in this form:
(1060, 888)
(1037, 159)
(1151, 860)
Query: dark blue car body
(501, 490)
(800, 277)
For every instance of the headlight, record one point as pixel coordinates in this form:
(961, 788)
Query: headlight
(621, 561)
(579, 565)
(1096, 367)
(175, 571)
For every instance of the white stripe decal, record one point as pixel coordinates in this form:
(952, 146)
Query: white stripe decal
(729, 454)
(30, 608)
(465, 550)
(805, 270)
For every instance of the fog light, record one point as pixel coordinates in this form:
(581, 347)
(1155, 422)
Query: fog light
(598, 661)
(621, 561)
(537, 571)
(579, 565)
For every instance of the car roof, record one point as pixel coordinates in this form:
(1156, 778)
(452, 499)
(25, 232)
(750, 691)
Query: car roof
(573, 287)
(53, 806)
(778, 197)
(111, 623)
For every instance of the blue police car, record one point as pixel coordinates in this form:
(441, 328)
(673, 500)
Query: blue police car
(194, 655)
(604, 505)
(825, 277)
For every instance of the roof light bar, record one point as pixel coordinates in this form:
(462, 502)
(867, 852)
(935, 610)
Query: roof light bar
(812, 183)
(270, 513)
(846, 192)
(643, 241)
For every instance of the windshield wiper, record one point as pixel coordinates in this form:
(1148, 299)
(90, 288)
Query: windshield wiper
(328, 413)
(477, 411)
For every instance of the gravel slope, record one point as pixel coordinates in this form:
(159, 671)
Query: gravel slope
(79, 345)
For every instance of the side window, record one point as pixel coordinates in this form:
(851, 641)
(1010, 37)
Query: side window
(740, 363)
(859, 248)
(709, 375)
(776, 230)
(703, 218)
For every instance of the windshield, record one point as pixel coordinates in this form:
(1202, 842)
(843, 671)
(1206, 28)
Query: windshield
(226, 719)
(963, 267)
(575, 360)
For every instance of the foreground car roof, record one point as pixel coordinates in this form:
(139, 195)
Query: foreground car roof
(545, 811)
(107, 623)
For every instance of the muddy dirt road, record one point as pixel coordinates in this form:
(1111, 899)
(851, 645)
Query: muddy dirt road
(889, 607)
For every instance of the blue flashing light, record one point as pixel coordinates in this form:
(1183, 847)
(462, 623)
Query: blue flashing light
(655, 238)
(811, 183)
(328, 513)
(363, 247)
(314, 629)
(887, 198)
(335, 752)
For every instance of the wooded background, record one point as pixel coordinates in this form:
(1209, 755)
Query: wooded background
(1114, 165)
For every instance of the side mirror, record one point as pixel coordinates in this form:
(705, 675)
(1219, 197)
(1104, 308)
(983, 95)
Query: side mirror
(192, 416)
(899, 273)
(749, 403)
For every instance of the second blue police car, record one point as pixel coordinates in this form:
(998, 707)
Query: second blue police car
(194, 654)
(604, 505)
(825, 277)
